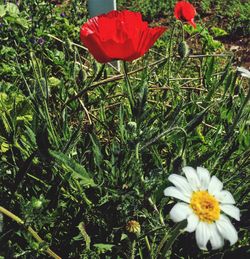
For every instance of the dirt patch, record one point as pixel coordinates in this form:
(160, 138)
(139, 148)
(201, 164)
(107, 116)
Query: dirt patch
(240, 45)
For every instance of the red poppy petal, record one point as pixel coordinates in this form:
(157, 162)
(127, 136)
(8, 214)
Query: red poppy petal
(90, 26)
(148, 38)
(184, 11)
(118, 35)
(155, 33)
(188, 11)
(118, 51)
(191, 22)
(177, 10)
(95, 48)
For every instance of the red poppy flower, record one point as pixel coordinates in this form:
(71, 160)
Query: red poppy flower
(118, 35)
(185, 11)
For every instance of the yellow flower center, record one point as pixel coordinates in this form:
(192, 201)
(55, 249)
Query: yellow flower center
(205, 206)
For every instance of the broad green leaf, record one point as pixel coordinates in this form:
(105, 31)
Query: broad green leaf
(6, 122)
(24, 118)
(77, 170)
(96, 150)
(12, 9)
(53, 81)
(102, 248)
(218, 31)
(2, 11)
(4, 147)
(7, 50)
(23, 22)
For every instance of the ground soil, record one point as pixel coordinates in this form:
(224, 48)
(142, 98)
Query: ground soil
(240, 45)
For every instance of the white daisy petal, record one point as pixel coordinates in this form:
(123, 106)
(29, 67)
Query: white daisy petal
(231, 210)
(215, 238)
(193, 221)
(204, 177)
(202, 235)
(181, 183)
(215, 185)
(192, 177)
(176, 193)
(180, 211)
(226, 229)
(225, 197)
(244, 72)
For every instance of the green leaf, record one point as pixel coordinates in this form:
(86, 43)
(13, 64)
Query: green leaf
(210, 69)
(12, 9)
(23, 22)
(197, 120)
(4, 147)
(85, 235)
(102, 248)
(7, 50)
(2, 11)
(53, 81)
(218, 31)
(24, 118)
(6, 122)
(96, 150)
(77, 170)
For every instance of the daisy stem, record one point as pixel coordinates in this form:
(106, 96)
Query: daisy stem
(133, 249)
(29, 229)
(148, 245)
(169, 239)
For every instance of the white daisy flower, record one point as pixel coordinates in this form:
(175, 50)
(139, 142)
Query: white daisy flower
(204, 202)
(244, 72)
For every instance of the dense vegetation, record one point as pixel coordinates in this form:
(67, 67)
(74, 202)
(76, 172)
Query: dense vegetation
(78, 161)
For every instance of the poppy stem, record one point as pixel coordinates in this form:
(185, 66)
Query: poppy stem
(183, 32)
(170, 52)
(128, 85)
(181, 24)
(120, 77)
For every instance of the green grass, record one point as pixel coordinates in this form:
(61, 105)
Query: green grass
(78, 169)
(232, 16)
